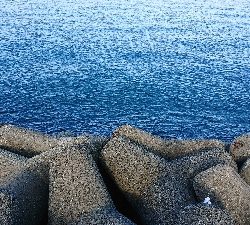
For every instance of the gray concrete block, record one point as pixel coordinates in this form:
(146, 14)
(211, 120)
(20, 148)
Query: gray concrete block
(10, 163)
(204, 215)
(25, 142)
(30, 143)
(76, 187)
(6, 208)
(23, 195)
(90, 143)
(245, 171)
(87, 144)
(187, 167)
(240, 148)
(166, 148)
(156, 188)
(24, 199)
(226, 188)
(106, 216)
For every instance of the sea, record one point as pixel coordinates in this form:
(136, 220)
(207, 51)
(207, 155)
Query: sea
(176, 68)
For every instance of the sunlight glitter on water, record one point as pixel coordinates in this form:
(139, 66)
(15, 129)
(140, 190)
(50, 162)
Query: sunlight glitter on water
(178, 69)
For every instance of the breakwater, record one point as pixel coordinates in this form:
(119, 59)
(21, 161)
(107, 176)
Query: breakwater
(131, 177)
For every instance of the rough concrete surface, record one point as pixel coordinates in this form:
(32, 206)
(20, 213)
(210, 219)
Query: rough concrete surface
(226, 188)
(166, 148)
(25, 142)
(107, 216)
(156, 188)
(76, 187)
(91, 143)
(202, 214)
(23, 198)
(62, 180)
(10, 163)
(187, 167)
(240, 148)
(245, 171)
(30, 143)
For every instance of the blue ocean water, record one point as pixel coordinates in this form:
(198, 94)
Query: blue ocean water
(176, 68)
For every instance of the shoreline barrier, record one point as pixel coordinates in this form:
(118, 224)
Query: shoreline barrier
(132, 177)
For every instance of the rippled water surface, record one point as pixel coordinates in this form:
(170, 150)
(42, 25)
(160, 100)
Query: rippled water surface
(177, 68)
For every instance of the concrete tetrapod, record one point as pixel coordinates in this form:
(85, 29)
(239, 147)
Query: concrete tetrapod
(23, 141)
(245, 171)
(77, 192)
(240, 148)
(30, 143)
(187, 167)
(204, 215)
(226, 188)
(23, 195)
(166, 148)
(90, 143)
(105, 216)
(157, 189)
(10, 163)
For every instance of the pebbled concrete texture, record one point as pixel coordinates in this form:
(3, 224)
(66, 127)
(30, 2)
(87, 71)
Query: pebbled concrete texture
(6, 208)
(156, 188)
(245, 171)
(158, 181)
(76, 187)
(10, 163)
(226, 188)
(240, 148)
(70, 173)
(142, 176)
(106, 216)
(23, 195)
(90, 143)
(187, 167)
(25, 142)
(166, 148)
(30, 143)
(203, 214)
